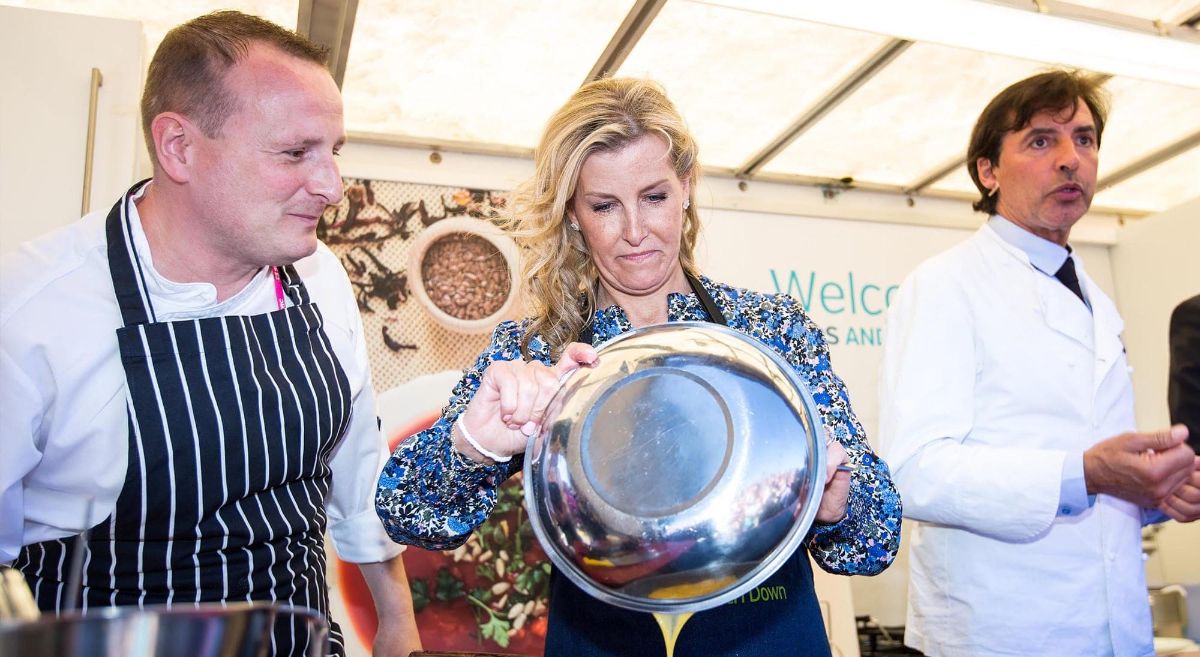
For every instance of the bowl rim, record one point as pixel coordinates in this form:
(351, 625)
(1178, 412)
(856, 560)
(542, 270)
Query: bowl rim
(200, 610)
(480, 227)
(782, 552)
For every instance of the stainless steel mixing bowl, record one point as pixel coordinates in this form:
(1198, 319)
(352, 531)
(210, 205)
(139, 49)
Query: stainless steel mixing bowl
(208, 630)
(680, 472)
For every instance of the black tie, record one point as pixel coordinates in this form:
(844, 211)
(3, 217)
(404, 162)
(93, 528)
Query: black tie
(1067, 276)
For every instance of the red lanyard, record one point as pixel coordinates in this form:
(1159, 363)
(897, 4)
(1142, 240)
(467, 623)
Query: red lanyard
(278, 288)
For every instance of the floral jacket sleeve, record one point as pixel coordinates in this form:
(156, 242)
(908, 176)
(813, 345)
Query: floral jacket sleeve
(865, 542)
(431, 496)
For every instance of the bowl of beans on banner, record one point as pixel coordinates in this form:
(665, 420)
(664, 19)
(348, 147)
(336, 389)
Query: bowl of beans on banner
(463, 271)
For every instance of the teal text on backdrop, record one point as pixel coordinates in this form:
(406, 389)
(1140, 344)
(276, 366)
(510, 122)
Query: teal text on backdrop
(836, 296)
(839, 296)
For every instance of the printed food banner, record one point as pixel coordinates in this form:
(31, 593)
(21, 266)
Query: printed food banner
(432, 277)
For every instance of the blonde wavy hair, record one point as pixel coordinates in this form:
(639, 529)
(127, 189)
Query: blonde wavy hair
(560, 279)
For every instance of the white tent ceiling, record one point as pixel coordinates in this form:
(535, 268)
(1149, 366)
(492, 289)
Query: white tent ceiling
(876, 93)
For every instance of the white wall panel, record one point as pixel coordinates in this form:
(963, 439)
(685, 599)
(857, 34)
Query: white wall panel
(43, 118)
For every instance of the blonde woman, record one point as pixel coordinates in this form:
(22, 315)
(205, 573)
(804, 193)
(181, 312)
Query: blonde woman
(608, 228)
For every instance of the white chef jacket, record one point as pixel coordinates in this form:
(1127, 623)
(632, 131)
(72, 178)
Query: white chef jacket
(992, 373)
(64, 426)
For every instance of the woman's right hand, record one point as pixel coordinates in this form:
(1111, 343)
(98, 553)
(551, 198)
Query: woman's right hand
(836, 497)
(511, 402)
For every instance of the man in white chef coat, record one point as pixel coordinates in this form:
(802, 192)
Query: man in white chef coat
(1007, 409)
(184, 375)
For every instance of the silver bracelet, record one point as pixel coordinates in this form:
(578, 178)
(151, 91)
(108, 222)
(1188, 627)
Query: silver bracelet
(462, 428)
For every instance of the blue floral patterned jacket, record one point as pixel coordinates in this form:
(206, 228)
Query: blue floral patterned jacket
(431, 496)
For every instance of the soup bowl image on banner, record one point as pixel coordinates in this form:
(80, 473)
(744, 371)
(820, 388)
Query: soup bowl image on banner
(680, 472)
(486, 597)
(463, 271)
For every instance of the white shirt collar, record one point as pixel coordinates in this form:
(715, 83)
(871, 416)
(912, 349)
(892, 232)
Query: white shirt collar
(183, 301)
(1043, 254)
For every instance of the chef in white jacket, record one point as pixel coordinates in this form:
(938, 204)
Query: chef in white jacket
(1007, 409)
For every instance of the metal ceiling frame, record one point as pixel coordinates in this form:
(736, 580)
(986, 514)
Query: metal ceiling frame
(1150, 161)
(934, 176)
(1163, 26)
(435, 145)
(329, 23)
(1183, 13)
(1179, 16)
(625, 38)
(868, 69)
(836, 185)
(830, 184)
(1014, 28)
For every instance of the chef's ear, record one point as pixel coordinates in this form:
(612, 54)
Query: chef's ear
(173, 137)
(987, 174)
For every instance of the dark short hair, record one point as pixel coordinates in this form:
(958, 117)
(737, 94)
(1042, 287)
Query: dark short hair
(188, 69)
(1056, 92)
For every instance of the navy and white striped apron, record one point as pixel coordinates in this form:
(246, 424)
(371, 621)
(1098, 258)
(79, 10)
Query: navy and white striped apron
(232, 421)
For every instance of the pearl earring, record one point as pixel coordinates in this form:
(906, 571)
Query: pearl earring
(575, 227)
(687, 203)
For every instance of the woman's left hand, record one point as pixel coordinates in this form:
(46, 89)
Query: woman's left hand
(837, 485)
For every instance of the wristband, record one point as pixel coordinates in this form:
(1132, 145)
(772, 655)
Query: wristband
(462, 428)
